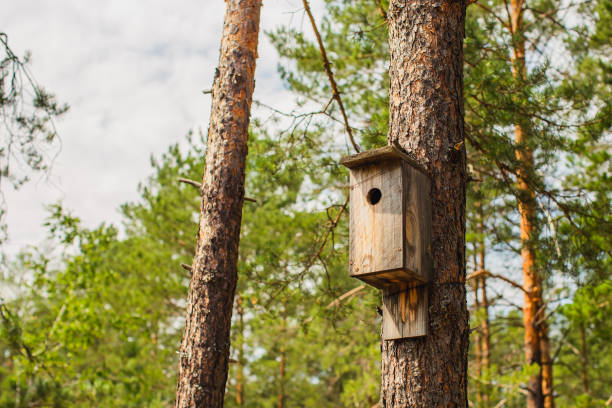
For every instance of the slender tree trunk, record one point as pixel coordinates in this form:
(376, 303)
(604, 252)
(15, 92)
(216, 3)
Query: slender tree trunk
(584, 359)
(206, 342)
(484, 304)
(281, 385)
(477, 344)
(426, 120)
(537, 347)
(547, 365)
(240, 364)
(486, 331)
(281, 368)
(486, 340)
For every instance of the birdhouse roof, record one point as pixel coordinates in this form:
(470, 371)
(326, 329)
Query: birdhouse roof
(379, 155)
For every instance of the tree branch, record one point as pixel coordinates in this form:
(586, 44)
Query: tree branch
(348, 294)
(199, 187)
(492, 275)
(382, 11)
(330, 75)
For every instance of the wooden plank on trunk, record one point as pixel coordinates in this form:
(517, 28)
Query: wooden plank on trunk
(404, 312)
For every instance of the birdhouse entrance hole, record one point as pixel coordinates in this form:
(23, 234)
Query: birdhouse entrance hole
(374, 196)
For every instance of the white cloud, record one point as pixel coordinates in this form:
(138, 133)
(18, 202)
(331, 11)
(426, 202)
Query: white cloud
(132, 73)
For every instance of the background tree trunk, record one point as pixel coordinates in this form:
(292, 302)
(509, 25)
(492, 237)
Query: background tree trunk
(281, 367)
(485, 336)
(205, 348)
(426, 120)
(477, 344)
(537, 347)
(584, 360)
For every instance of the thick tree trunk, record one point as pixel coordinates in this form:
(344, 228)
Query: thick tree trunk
(205, 348)
(426, 120)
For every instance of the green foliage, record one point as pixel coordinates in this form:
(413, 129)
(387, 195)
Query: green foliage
(586, 343)
(96, 319)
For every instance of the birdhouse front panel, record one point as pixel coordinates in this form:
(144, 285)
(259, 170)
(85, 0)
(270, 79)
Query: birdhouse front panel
(377, 225)
(390, 221)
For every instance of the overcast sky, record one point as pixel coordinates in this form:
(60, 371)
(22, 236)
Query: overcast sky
(133, 74)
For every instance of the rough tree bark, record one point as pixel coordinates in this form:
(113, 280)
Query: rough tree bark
(204, 351)
(426, 120)
(537, 345)
(240, 364)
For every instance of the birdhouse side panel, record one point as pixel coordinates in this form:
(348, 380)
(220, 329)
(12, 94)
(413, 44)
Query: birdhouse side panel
(418, 224)
(376, 230)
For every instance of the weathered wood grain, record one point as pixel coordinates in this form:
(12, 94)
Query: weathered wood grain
(389, 240)
(404, 312)
(376, 238)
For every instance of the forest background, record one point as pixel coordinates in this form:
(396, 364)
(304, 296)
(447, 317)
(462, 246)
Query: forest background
(93, 316)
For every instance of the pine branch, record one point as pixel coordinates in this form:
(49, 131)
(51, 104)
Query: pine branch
(382, 11)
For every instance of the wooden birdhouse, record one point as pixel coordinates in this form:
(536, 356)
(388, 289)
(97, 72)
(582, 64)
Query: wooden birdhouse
(390, 234)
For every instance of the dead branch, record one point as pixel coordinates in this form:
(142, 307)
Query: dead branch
(348, 294)
(199, 187)
(493, 275)
(327, 233)
(190, 182)
(330, 75)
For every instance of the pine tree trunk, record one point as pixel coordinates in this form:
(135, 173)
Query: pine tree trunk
(281, 385)
(281, 368)
(205, 347)
(477, 344)
(531, 282)
(484, 304)
(539, 385)
(426, 120)
(547, 366)
(584, 359)
(240, 368)
(486, 340)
